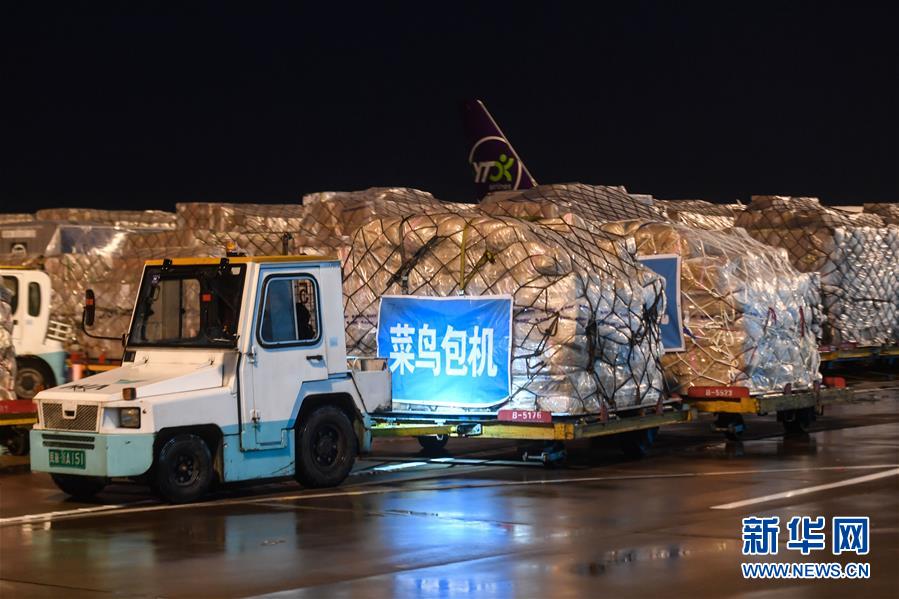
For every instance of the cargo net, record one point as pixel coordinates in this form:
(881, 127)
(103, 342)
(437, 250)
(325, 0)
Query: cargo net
(585, 317)
(7, 350)
(855, 255)
(135, 219)
(749, 317)
(700, 214)
(889, 213)
(593, 203)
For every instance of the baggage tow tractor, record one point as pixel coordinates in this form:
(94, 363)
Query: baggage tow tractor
(235, 369)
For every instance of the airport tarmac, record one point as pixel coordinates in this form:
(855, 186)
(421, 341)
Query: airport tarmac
(476, 522)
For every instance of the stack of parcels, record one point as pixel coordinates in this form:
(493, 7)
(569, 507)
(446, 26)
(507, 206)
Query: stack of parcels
(12, 218)
(7, 350)
(700, 214)
(586, 313)
(593, 203)
(126, 219)
(888, 212)
(856, 257)
(748, 315)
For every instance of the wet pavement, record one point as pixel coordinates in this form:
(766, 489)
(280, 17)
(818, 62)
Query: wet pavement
(406, 525)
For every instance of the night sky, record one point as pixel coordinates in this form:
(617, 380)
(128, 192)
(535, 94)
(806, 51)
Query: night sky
(714, 101)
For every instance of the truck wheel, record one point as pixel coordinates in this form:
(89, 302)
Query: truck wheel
(637, 444)
(326, 448)
(433, 444)
(183, 469)
(32, 376)
(79, 487)
(16, 441)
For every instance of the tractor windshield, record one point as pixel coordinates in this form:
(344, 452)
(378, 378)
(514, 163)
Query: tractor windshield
(188, 306)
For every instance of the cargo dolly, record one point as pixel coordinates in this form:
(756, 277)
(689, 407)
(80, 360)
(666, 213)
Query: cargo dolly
(796, 409)
(636, 429)
(832, 356)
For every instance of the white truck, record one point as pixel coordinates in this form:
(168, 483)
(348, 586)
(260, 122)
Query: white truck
(236, 369)
(38, 339)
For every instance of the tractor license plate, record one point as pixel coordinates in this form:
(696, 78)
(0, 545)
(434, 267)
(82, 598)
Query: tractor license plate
(67, 458)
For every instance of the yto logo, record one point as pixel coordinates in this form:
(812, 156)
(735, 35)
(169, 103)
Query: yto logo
(501, 168)
(493, 163)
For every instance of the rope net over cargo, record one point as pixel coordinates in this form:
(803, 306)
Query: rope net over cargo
(749, 317)
(585, 319)
(856, 256)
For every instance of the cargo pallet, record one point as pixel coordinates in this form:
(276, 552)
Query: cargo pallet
(636, 428)
(16, 418)
(795, 409)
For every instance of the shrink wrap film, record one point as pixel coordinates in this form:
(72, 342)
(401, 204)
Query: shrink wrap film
(857, 266)
(585, 321)
(748, 314)
(7, 350)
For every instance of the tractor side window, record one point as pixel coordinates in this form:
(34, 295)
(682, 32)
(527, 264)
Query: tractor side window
(12, 285)
(34, 299)
(290, 312)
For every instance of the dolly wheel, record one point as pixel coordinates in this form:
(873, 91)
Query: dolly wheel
(731, 425)
(797, 422)
(433, 444)
(637, 444)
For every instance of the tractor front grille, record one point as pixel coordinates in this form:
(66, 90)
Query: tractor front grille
(78, 417)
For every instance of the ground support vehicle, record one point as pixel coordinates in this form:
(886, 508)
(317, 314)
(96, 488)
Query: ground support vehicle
(16, 418)
(635, 430)
(795, 409)
(38, 339)
(235, 369)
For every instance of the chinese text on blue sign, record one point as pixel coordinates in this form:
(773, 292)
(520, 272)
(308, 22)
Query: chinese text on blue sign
(452, 351)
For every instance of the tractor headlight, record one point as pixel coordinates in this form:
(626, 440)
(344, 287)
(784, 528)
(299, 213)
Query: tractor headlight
(129, 417)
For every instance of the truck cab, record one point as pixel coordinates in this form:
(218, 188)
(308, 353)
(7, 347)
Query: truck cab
(37, 339)
(234, 369)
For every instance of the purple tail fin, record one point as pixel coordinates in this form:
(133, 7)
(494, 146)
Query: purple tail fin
(496, 165)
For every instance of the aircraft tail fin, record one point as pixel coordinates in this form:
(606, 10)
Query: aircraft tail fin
(496, 165)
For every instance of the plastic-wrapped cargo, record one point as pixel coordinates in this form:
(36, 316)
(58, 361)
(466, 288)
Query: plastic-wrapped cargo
(12, 218)
(700, 214)
(748, 314)
(585, 316)
(889, 213)
(594, 203)
(7, 350)
(858, 265)
(337, 215)
(126, 219)
(245, 218)
(115, 281)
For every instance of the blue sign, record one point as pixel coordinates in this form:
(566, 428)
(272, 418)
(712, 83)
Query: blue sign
(447, 351)
(668, 266)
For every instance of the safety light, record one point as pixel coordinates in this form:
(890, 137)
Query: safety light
(129, 417)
